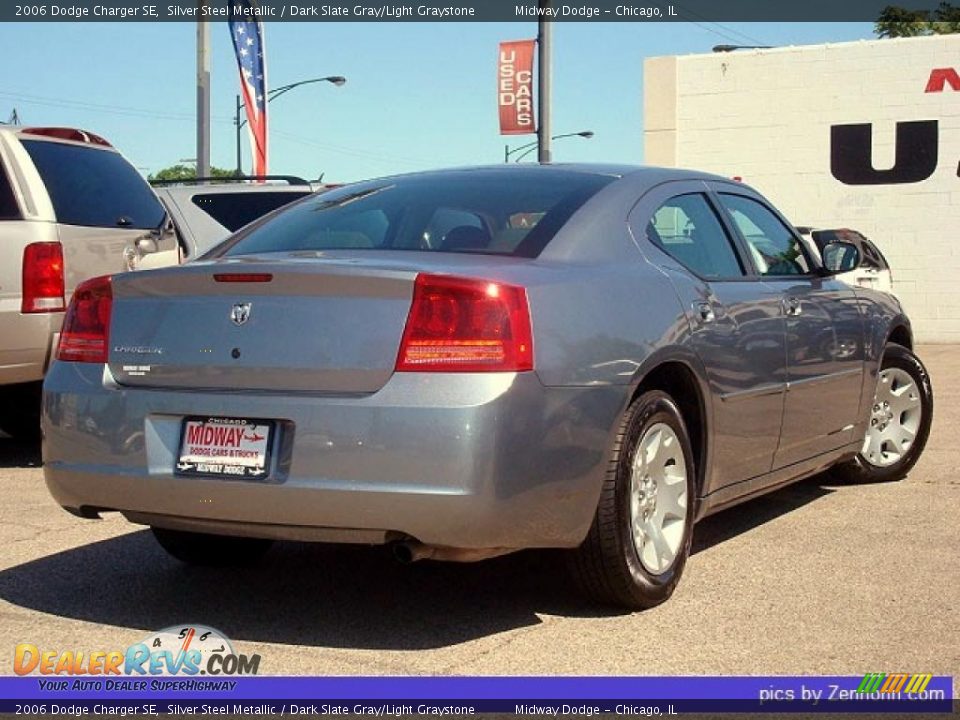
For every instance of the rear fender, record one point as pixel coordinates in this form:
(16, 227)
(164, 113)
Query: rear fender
(643, 380)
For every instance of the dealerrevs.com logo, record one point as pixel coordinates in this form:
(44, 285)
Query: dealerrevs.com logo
(185, 650)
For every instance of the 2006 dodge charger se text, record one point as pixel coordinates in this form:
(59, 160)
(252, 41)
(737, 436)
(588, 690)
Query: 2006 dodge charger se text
(468, 362)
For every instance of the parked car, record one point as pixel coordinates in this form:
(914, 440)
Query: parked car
(207, 210)
(870, 270)
(464, 363)
(71, 208)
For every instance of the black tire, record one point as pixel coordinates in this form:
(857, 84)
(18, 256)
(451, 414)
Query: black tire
(211, 550)
(859, 469)
(20, 411)
(606, 566)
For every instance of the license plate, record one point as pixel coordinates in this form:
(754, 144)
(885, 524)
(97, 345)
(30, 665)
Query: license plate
(225, 447)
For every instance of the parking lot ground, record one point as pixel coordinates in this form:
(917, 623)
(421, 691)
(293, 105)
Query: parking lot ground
(815, 578)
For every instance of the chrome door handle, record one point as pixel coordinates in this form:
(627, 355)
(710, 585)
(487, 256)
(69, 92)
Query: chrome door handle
(704, 311)
(792, 306)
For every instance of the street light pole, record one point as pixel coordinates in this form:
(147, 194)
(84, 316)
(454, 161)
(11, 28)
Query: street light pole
(272, 95)
(544, 49)
(203, 95)
(237, 123)
(529, 147)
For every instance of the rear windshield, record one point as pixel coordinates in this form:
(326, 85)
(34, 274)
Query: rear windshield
(94, 187)
(501, 213)
(234, 210)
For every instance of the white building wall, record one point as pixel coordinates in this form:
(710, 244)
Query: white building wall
(766, 116)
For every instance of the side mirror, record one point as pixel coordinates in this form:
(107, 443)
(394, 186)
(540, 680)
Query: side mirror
(840, 257)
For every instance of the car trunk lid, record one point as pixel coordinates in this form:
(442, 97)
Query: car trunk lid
(292, 325)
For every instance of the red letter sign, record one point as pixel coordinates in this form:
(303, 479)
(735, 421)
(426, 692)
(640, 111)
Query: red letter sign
(515, 87)
(940, 78)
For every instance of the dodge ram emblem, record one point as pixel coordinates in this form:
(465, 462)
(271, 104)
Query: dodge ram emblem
(240, 313)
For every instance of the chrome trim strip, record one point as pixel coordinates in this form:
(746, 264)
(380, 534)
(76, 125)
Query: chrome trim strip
(823, 378)
(772, 389)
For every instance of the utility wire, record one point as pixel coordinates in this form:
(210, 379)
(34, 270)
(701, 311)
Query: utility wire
(168, 115)
(351, 152)
(109, 109)
(692, 17)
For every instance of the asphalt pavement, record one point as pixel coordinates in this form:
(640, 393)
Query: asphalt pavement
(815, 578)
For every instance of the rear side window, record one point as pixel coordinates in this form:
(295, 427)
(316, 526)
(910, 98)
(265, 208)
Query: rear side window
(234, 210)
(503, 213)
(94, 187)
(776, 251)
(688, 230)
(8, 201)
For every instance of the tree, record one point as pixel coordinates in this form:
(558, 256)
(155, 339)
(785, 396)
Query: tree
(895, 21)
(187, 172)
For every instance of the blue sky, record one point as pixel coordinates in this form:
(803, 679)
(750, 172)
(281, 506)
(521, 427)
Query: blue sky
(418, 95)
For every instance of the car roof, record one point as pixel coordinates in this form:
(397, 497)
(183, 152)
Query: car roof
(650, 173)
(186, 191)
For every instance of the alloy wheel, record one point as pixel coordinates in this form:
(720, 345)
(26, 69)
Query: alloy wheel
(658, 498)
(894, 418)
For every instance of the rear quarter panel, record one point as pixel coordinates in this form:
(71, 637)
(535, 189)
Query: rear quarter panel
(604, 316)
(599, 324)
(25, 340)
(610, 315)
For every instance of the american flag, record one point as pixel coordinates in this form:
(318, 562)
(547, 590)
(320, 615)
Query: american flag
(247, 38)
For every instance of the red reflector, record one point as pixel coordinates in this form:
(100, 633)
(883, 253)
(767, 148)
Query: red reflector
(242, 277)
(466, 325)
(42, 278)
(68, 134)
(86, 326)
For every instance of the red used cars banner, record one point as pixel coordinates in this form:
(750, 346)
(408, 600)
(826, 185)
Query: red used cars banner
(515, 87)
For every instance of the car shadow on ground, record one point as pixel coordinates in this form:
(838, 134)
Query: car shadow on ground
(759, 511)
(19, 453)
(332, 596)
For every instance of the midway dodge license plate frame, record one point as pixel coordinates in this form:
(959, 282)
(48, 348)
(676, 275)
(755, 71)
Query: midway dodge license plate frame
(226, 465)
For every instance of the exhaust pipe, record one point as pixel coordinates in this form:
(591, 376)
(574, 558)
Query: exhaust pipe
(410, 551)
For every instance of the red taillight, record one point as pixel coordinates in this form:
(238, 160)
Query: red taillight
(42, 278)
(466, 325)
(86, 327)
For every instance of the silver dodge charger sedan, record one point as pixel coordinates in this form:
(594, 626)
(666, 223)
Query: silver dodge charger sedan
(464, 363)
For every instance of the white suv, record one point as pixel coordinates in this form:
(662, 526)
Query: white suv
(71, 208)
(834, 247)
(206, 214)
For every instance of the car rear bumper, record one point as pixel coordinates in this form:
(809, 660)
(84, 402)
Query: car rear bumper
(27, 342)
(457, 460)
